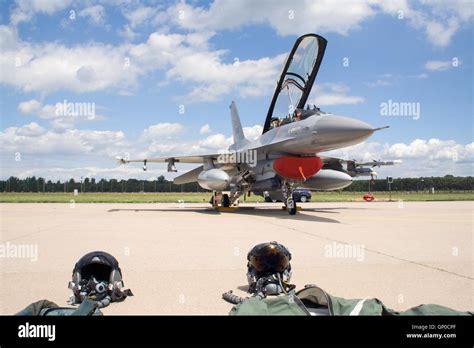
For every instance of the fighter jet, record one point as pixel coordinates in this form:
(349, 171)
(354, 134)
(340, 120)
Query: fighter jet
(288, 153)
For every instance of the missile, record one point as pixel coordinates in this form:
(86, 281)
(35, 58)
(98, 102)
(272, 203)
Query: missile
(378, 163)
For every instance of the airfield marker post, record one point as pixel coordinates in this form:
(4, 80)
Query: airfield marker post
(389, 182)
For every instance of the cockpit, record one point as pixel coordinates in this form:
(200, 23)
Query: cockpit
(295, 83)
(297, 115)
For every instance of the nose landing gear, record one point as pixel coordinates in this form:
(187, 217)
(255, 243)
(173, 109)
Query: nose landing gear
(291, 206)
(287, 190)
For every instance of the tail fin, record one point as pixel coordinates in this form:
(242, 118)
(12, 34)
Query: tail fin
(237, 131)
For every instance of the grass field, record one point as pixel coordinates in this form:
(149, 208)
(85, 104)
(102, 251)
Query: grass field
(169, 197)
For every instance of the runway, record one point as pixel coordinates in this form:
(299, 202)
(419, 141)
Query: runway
(180, 258)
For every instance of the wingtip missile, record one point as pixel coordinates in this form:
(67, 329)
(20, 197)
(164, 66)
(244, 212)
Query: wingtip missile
(120, 160)
(377, 163)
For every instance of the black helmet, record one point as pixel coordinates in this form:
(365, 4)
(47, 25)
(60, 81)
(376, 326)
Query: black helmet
(97, 276)
(269, 264)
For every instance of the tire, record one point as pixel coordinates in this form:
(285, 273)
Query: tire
(291, 206)
(225, 201)
(268, 199)
(303, 199)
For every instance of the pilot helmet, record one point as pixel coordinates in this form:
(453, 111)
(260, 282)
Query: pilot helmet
(97, 277)
(269, 269)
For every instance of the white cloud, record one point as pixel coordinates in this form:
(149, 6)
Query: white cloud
(442, 20)
(32, 139)
(85, 146)
(139, 15)
(434, 150)
(253, 133)
(438, 20)
(285, 17)
(161, 130)
(220, 142)
(440, 34)
(96, 14)
(29, 107)
(54, 114)
(432, 157)
(127, 32)
(333, 94)
(216, 142)
(214, 78)
(34, 107)
(205, 129)
(48, 67)
(440, 65)
(26, 9)
(31, 130)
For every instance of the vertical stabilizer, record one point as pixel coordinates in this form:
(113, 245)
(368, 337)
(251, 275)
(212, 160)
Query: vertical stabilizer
(237, 131)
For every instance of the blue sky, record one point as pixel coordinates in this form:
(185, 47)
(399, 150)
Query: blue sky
(142, 62)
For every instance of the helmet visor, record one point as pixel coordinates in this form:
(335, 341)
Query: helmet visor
(269, 259)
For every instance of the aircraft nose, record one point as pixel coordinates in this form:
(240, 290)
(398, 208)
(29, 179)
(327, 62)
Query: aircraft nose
(342, 130)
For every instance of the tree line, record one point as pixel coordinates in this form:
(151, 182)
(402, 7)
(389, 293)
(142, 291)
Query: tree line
(34, 184)
(444, 183)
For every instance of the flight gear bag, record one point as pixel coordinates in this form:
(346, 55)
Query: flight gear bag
(313, 300)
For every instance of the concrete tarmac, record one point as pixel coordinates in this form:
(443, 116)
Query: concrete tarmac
(180, 258)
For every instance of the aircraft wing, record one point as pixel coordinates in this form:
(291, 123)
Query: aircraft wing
(171, 160)
(197, 158)
(181, 159)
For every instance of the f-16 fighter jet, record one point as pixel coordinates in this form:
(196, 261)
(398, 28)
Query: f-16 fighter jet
(289, 152)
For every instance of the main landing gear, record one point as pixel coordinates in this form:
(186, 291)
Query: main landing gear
(221, 200)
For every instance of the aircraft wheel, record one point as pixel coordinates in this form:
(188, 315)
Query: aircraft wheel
(291, 206)
(225, 202)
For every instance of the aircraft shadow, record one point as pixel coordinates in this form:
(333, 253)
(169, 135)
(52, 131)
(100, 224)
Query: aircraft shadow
(251, 211)
(279, 213)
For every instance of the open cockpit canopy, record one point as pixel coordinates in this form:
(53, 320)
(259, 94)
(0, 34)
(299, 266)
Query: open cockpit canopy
(297, 78)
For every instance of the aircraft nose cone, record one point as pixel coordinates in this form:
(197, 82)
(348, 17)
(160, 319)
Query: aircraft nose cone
(342, 130)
